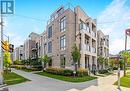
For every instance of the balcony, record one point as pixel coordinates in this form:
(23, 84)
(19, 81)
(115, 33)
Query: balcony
(93, 50)
(85, 47)
(34, 49)
(93, 33)
(84, 27)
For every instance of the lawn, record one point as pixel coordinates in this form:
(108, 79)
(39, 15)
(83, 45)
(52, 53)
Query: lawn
(65, 78)
(11, 78)
(128, 68)
(125, 81)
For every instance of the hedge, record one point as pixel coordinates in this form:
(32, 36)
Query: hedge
(67, 72)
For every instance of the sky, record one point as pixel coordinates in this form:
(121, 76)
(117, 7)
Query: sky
(113, 17)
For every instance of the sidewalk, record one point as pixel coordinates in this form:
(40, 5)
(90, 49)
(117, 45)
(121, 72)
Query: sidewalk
(42, 83)
(105, 84)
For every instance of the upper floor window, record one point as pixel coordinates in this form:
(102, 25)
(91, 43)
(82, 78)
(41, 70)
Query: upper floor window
(62, 24)
(85, 26)
(50, 32)
(49, 47)
(62, 42)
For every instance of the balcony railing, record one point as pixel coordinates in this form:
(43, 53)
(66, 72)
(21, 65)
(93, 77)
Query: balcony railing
(85, 47)
(93, 50)
(93, 34)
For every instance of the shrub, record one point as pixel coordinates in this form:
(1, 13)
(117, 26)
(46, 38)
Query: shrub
(82, 72)
(20, 67)
(102, 71)
(115, 68)
(57, 71)
(17, 62)
(68, 72)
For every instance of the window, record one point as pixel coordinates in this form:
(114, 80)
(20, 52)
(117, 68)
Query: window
(81, 25)
(84, 26)
(62, 61)
(62, 24)
(50, 32)
(62, 42)
(49, 47)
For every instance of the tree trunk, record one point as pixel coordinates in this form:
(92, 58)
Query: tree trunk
(124, 67)
(44, 67)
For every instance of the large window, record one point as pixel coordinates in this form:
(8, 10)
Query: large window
(49, 47)
(62, 61)
(62, 42)
(62, 24)
(50, 32)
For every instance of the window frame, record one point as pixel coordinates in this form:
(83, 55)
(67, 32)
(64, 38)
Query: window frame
(49, 47)
(50, 32)
(62, 40)
(63, 24)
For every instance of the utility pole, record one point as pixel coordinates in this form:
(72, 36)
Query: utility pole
(125, 58)
(1, 61)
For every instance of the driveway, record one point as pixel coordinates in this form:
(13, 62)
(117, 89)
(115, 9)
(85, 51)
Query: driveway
(41, 83)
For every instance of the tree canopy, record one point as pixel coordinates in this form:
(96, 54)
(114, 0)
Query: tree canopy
(75, 53)
(7, 60)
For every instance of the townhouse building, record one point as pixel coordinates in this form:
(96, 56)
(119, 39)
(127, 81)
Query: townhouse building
(18, 53)
(29, 44)
(103, 45)
(65, 28)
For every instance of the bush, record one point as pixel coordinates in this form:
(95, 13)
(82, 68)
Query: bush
(57, 71)
(102, 71)
(17, 62)
(68, 72)
(82, 72)
(20, 67)
(115, 68)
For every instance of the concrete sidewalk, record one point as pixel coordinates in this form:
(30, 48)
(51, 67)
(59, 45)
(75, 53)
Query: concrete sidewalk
(42, 83)
(105, 84)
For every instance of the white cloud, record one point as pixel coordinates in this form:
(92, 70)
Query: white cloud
(116, 45)
(113, 21)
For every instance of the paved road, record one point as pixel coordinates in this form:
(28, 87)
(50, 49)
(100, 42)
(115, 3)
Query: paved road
(41, 83)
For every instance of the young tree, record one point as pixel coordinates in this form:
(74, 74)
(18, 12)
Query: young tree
(111, 62)
(7, 60)
(75, 55)
(101, 61)
(126, 56)
(106, 62)
(45, 59)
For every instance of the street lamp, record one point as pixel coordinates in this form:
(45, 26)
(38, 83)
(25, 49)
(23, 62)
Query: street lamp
(127, 33)
(118, 58)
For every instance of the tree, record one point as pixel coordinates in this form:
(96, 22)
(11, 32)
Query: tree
(101, 61)
(126, 56)
(75, 55)
(45, 59)
(7, 60)
(106, 62)
(111, 62)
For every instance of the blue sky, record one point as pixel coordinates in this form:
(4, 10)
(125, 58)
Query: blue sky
(112, 16)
